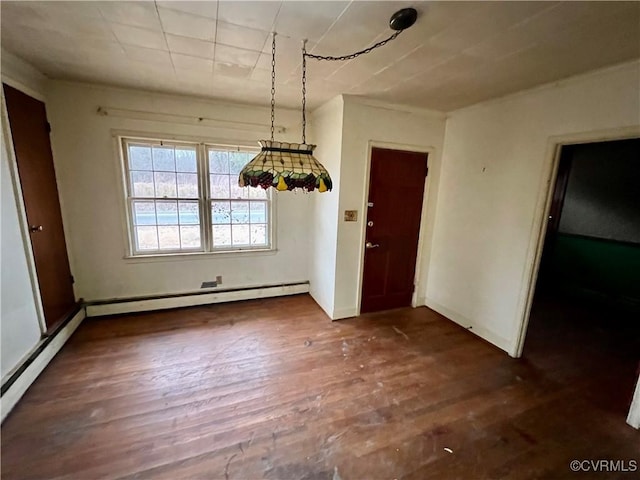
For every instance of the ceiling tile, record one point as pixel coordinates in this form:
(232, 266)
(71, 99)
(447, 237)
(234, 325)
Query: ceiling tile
(319, 16)
(458, 53)
(236, 56)
(241, 37)
(201, 8)
(140, 37)
(190, 46)
(261, 75)
(421, 59)
(57, 18)
(187, 62)
(148, 55)
(187, 25)
(357, 27)
(288, 55)
(137, 14)
(260, 15)
(235, 71)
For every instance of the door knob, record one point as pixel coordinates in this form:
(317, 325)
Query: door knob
(371, 245)
(35, 228)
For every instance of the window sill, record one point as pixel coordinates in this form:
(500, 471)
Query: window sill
(179, 257)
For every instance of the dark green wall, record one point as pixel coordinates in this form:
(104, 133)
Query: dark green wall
(595, 270)
(594, 255)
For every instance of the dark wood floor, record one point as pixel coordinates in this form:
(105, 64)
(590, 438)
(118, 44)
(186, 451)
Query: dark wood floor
(272, 389)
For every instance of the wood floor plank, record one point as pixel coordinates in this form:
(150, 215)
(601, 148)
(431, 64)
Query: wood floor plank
(272, 389)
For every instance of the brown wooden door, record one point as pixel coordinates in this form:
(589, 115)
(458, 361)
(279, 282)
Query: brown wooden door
(30, 132)
(396, 189)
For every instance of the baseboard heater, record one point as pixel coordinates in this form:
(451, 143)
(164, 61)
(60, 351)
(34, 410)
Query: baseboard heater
(116, 306)
(19, 381)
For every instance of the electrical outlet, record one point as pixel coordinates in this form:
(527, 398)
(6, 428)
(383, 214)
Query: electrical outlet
(209, 284)
(350, 215)
(219, 279)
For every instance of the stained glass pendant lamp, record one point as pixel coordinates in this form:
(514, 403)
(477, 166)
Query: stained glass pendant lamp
(290, 166)
(283, 165)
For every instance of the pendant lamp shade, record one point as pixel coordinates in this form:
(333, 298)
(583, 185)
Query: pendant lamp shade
(285, 166)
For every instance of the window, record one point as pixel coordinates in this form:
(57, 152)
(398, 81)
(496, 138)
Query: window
(184, 197)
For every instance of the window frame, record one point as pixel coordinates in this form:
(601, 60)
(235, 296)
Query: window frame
(204, 199)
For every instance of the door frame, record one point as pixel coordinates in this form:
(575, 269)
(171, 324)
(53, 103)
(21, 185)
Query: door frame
(430, 152)
(19, 200)
(539, 228)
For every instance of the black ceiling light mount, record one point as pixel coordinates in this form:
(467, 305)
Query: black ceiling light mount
(403, 19)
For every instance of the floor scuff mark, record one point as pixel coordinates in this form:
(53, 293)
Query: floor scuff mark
(400, 332)
(226, 468)
(336, 475)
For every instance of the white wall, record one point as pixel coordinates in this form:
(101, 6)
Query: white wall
(346, 128)
(497, 161)
(402, 128)
(92, 195)
(326, 131)
(19, 324)
(19, 327)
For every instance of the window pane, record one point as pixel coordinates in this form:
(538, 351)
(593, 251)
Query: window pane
(240, 212)
(219, 186)
(186, 160)
(166, 198)
(257, 193)
(167, 213)
(142, 184)
(139, 158)
(259, 235)
(218, 162)
(190, 237)
(222, 235)
(189, 214)
(237, 160)
(236, 190)
(163, 159)
(220, 212)
(165, 184)
(147, 238)
(144, 213)
(187, 185)
(258, 212)
(240, 234)
(169, 238)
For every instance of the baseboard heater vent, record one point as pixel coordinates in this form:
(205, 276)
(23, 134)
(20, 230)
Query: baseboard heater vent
(116, 306)
(19, 381)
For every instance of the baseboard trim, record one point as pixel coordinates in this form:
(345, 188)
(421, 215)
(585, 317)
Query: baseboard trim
(633, 418)
(16, 386)
(137, 304)
(473, 327)
(342, 313)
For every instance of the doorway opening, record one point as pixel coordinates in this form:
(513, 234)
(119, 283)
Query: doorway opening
(583, 324)
(392, 230)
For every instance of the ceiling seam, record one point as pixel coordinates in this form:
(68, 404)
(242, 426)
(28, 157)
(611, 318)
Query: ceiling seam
(164, 36)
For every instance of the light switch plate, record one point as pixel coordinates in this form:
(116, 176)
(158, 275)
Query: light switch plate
(350, 215)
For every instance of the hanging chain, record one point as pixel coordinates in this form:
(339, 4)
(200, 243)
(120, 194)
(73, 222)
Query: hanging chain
(356, 54)
(273, 83)
(304, 91)
(329, 58)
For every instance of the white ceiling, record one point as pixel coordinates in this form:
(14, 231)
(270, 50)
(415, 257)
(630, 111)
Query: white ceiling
(457, 53)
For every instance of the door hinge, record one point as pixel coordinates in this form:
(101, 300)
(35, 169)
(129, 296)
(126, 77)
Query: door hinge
(73, 280)
(48, 127)
(426, 172)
